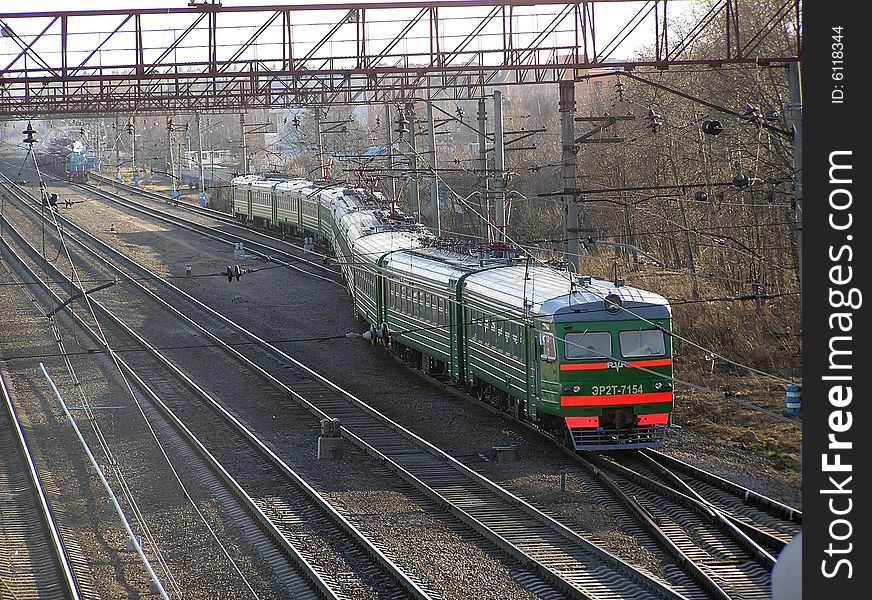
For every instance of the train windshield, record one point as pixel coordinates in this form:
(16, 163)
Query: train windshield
(642, 342)
(597, 344)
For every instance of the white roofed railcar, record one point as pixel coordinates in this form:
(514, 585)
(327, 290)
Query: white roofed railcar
(362, 276)
(422, 300)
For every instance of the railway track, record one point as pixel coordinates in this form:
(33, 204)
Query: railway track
(743, 510)
(720, 557)
(35, 562)
(546, 547)
(204, 221)
(771, 523)
(322, 550)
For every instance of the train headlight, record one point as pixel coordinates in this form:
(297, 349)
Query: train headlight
(658, 385)
(612, 303)
(576, 389)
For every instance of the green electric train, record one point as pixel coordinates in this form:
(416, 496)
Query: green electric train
(579, 357)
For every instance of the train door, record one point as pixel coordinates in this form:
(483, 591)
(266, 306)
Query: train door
(321, 232)
(531, 347)
(275, 207)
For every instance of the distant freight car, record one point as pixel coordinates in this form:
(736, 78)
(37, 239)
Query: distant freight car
(78, 166)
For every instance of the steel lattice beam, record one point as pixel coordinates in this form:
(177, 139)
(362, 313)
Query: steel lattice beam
(215, 58)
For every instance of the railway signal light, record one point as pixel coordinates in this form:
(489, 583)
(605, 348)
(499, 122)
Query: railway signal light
(741, 180)
(712, 127)
(50, 200)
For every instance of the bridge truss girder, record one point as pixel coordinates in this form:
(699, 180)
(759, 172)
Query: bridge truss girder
(213, 58)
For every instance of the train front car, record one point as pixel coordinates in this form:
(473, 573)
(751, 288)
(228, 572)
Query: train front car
(601, 373)
(606, 365)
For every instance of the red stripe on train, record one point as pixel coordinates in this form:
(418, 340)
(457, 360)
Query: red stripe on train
(575, 422)
(656, 362)
(655, 419)
(616, 399)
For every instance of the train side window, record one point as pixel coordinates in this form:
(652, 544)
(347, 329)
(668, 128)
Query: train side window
(548, 348)
(642, 342)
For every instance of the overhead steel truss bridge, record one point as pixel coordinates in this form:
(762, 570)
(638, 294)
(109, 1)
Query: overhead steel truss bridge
(209, 57)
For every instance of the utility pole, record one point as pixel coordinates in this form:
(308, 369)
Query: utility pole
(131, 129)
(170, 167)
(568, 170)
(244, 162)
(434, 181)
(482, 166)
(322, 174)
(171, 127)
(100, 127)
(200, 159)
(389, 145)
(117, 151)
(499, 169)
(795, 110)
(414, 192)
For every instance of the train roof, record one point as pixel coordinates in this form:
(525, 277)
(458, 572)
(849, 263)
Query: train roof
(370, 248)
(549, 292)
(434, 265)
(267, 182)
(245, 179)
(292, 185)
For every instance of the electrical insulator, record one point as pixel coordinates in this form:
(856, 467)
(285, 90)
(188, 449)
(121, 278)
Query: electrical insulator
(235, 271)
(655, 120)
(712, 127)
(741, 180)
(752, 114)
(619, 89)
(29, 134)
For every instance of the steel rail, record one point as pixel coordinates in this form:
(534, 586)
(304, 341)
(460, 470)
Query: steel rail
(67, 579)
(649, 522)
(747, 495)
(693, 502)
